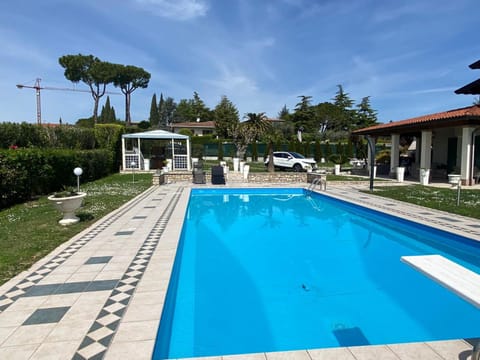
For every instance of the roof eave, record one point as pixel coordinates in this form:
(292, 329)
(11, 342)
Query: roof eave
(475, 65)
(418, 127)
(470, 89)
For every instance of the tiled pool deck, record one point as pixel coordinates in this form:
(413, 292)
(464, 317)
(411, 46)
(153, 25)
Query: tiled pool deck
(100, 295)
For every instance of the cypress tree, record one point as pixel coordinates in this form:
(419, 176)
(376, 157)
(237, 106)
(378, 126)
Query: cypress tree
(113, 116)
(220, 150)
(107, 115)
(154, 113)
(103, 116)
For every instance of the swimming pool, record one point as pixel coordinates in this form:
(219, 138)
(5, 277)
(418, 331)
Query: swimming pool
(261, 270)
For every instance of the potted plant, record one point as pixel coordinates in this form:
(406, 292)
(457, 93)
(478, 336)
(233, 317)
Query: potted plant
(337, 160)
(68, 201)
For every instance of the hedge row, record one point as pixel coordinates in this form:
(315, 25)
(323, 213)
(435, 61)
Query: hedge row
(317, 150)
(13, 135)
(25, 173)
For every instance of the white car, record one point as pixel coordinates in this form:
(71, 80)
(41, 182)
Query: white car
(292, 160)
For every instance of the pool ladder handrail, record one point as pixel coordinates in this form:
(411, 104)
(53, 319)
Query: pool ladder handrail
(318, 181)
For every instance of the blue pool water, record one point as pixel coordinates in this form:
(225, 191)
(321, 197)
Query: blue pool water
(261, 270)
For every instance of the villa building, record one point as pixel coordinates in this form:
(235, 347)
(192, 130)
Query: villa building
(198, 128)
(447, 143)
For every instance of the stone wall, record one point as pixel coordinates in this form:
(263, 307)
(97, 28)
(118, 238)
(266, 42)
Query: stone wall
(261, 177)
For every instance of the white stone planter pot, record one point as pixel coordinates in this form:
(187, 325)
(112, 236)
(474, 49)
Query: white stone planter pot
(336, 169)
(400, 173)
(236, 163)
(246, 170)
(169, 164)
(241, 166)
(68, 205)
(453, 179)
(424, 176)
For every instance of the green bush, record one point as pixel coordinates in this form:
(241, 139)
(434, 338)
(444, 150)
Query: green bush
(318, 151)
(220, 151)
(25, 173)
(383, 157)
(109, 137)
(336, 158)
(31, 135)
(254, 151)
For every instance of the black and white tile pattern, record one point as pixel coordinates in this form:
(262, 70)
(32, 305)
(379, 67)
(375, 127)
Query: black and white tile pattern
(35, 277)
(96, 342)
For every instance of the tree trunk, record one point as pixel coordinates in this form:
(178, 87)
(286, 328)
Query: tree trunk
(241, 149)
(128, 120)
(271, 166)
(95, 108)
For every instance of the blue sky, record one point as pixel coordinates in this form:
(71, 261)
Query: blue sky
(407, 55)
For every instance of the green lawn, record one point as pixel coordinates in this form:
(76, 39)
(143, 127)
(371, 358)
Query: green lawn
(435, 198)
(31, 230)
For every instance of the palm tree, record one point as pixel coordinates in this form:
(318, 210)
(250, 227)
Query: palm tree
(258, 126)
(244, 133)
(258, 123)
(272, 137)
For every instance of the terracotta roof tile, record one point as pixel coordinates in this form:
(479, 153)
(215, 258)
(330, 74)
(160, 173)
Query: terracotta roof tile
(430, 118)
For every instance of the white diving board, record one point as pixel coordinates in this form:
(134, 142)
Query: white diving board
(456, 278)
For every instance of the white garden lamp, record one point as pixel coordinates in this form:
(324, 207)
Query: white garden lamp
(133, 164)
(78, 171)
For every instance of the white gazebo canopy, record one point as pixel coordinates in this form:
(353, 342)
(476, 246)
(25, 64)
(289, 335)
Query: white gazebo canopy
(178, 149)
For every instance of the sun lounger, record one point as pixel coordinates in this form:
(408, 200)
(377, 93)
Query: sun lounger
(218, 177)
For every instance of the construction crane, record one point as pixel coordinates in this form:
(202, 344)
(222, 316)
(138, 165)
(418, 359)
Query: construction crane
(37, 88)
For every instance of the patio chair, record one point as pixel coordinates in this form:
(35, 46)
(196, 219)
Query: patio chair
(218, 176)
(199, 173)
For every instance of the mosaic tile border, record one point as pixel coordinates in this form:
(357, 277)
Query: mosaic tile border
(95, 344)
(35, 277)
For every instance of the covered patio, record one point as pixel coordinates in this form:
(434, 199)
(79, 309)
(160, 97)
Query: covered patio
(155, 149)
(446, 143)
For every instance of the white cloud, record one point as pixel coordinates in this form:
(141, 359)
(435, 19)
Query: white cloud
(15, 49)
(261, 43)
(231, 81)
(175, 9)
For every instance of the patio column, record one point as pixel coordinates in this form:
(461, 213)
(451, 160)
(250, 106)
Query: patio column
(173, 155)
(123, 155)
(371, 157)
(139, 158)
(465, 161)
(425, 156)
(189, 159)
(394, 153)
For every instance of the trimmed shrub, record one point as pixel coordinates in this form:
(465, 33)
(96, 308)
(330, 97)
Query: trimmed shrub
(254, 151)
(318, 151)
(31, 135)
(25, 173)
(220, 151)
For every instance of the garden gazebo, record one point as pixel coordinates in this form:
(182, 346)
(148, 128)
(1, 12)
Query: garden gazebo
(160, 148)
